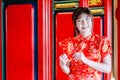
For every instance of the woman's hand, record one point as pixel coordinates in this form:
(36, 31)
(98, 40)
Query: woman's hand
(79, 56)
(104, 66)
(64, 63)
(63, 60)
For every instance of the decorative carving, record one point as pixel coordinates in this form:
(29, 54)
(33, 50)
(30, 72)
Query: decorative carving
(95, 2)
(66, 5)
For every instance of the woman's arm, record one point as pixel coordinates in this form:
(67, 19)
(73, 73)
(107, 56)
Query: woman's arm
(105, 66)
(64, 63)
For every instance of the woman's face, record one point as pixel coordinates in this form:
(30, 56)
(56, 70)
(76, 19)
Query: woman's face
(84, 23)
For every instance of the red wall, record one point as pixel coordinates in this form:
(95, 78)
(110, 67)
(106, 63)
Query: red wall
(19, 37)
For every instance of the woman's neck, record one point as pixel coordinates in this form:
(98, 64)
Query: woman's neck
(86, 34)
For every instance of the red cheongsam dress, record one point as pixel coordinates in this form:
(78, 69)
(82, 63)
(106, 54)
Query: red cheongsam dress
(94, 47)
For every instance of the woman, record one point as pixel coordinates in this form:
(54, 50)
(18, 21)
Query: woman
(88, 55)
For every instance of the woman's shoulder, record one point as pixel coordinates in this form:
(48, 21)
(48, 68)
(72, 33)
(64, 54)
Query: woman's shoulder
(71, 39)
(101, 37)
(66, 40)
(77, 39)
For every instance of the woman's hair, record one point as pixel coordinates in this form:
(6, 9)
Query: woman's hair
(76, 13)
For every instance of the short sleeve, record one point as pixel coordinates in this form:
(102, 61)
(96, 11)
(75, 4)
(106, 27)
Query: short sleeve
(106, 48)
(66, 46)
(62, 46)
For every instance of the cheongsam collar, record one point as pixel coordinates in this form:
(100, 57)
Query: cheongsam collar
(89, 37)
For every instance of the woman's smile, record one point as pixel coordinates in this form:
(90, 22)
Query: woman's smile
(85, 27)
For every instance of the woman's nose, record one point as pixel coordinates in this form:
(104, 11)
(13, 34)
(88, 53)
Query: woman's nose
(83, 22)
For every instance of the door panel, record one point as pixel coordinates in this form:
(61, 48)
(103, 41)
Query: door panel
(19, 42)
(64, 29)
(97, 25)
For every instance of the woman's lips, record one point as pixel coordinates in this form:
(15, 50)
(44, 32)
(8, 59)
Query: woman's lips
(85, 27)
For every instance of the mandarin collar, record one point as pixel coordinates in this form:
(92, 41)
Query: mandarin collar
(89, 37)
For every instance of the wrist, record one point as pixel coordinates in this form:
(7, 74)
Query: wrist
(66, 69)
(85, 61)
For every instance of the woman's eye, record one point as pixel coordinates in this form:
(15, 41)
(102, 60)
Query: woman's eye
(87, 18)
(79, 20)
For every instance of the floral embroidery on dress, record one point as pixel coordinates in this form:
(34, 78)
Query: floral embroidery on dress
(94, 47)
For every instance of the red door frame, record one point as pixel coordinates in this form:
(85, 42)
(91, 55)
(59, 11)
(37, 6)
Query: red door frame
(118, 21)
(44, 39)
(0, 39)
(45, 35)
